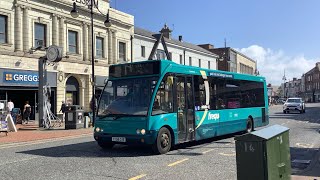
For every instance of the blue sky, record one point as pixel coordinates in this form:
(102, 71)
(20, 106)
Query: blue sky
(274, 32)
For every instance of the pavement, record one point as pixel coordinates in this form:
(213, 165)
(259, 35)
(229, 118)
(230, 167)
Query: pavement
(31, 132)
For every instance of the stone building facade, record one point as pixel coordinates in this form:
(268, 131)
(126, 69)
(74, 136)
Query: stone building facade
(180, 51)
(26, 24)
(312, 84)
(232, 60)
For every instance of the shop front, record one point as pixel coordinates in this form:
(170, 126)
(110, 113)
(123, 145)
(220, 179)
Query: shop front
(21, 86)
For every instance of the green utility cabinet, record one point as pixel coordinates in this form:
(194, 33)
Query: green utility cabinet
(264, 154)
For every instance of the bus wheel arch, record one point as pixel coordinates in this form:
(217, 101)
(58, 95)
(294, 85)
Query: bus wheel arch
(249, 124)
(164, 140)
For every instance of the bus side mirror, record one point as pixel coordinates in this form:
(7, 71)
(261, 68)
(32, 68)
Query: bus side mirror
(169, 80)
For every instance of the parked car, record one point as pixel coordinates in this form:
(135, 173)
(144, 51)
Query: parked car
(294, 104)
(281, 101)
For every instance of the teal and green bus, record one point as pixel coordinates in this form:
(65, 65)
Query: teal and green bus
(161, 103)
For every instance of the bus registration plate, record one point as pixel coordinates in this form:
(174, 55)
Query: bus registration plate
(119, 139)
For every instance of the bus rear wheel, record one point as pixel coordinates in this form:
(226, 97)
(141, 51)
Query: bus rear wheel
(105, 145)
(163, 142)
(249, 128)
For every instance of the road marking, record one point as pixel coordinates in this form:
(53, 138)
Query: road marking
(175, 163)
(5, 146)
(226, 154)
(138, 177)
(304, 145)
(204, 152)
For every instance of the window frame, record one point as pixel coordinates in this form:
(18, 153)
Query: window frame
(124, 54)
(76, 42)
(102, 47)
(45, 28)
(5, 33)
(143, 51)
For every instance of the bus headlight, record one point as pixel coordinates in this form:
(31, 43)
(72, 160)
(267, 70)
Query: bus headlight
(138, 131)
(143, 131)
(98, 129)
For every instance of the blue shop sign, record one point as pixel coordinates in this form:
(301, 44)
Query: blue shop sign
(21, 77)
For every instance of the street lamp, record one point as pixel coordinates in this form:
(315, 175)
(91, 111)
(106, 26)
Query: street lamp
(75, 13)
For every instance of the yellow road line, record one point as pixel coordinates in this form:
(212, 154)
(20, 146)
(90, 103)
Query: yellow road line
(207, 151)
(225, 154)
(5, 146)
(175, 163)
(138, 177)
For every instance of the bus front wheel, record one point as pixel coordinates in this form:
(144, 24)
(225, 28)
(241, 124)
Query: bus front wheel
(105, 145)
(163, 142)
(249, 128)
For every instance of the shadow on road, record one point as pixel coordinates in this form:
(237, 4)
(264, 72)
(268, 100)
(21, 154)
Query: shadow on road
(91, 149)
(305, 161)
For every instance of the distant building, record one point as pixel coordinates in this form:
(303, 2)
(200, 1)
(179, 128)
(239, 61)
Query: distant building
(312, 84)
(180, 51)
(292, 88)
(232, 60)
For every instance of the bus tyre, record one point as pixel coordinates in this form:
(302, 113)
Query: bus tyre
(249, 128)
(105, 145)
(163, 142)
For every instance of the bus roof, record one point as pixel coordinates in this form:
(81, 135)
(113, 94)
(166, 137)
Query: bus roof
(170, 66)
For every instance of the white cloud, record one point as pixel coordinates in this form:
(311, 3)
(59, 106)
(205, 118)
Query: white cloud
(271, 63)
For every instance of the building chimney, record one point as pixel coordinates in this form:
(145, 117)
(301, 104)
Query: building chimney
(180, 38)
(166, 31)
(206, 46)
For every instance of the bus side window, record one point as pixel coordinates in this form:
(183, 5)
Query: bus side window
(163, 100)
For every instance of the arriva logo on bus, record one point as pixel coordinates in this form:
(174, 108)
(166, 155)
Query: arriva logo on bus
(213, 116)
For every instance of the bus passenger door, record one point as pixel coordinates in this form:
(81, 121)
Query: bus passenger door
(185, 108)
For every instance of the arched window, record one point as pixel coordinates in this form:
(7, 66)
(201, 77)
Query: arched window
(72, 91)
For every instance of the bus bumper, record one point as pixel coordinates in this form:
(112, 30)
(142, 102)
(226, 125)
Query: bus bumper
(147, 139)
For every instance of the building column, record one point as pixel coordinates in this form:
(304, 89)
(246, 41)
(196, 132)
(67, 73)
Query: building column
(89, 42)
(105, 48)
(85, 41)
(55, 30)
(110, 61)
(18, 29)
(26, 44)
(114, 47)
(62, 35)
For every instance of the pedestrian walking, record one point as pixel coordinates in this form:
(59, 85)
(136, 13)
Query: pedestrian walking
(26, 112)
(63, 110)
(10, 105)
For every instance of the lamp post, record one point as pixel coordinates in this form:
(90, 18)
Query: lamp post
(75, 13)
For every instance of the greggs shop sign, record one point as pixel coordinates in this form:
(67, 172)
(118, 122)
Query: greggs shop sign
(12, 77)
(21, 78)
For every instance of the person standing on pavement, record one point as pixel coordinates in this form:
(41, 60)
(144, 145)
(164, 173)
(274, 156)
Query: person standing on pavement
(10, 106)
(63, 109)
(27, 111)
